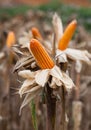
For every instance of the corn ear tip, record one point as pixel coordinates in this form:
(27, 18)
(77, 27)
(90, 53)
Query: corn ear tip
(33, 43)
(11, 33)
(34, 29)
(74, 22)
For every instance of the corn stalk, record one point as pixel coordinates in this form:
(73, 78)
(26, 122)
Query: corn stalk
(51, 108)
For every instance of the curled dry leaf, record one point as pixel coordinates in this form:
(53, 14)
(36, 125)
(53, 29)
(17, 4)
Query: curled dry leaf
(68, 83)
(16, 50)
(28, 98)
(27, 74)
(32, 90)
(63, 77)
(55, 83)
(26, 62)
(42, 77)
(27, 85)
(74, 54)
(60, 56)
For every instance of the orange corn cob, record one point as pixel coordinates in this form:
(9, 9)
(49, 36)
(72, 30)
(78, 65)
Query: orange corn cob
(63, 42)
(10, 39)
(36, 33)
(40, 54)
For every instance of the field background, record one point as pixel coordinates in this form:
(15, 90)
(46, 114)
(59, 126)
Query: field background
(20, 16)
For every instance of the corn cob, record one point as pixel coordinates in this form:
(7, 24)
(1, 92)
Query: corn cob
(63, 42)
(41, 56)
(36, 33)
(10, 39)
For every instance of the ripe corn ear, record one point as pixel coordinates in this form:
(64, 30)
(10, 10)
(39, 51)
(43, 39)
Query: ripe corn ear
(64, 41)
(36, 33)
(41, 56)
(10, 39)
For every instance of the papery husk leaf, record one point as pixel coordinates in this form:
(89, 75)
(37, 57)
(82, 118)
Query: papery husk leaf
(26, 74)
(26, 86)
(78, 55)
(68, 83)
(55, 72)
(63, 77)
(28, 82)
(28, 99)
(58, 27)
(33, 89)
(42, 77)
(58, 82)
(55, 83)
(61, 56)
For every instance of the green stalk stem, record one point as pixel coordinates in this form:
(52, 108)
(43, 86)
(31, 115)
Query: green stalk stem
(34, 118)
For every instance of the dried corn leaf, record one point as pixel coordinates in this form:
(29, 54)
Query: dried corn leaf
(21, 51)
(68, 83)
(27, 74)
(58, 27)
(16, 50)
(55, 72)
(74, 54)
(63, 77)
(55, 82)
(42, 77)
(28, 98)
(32, 90)
(25, 62)
(26, 86)
(60, 56)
